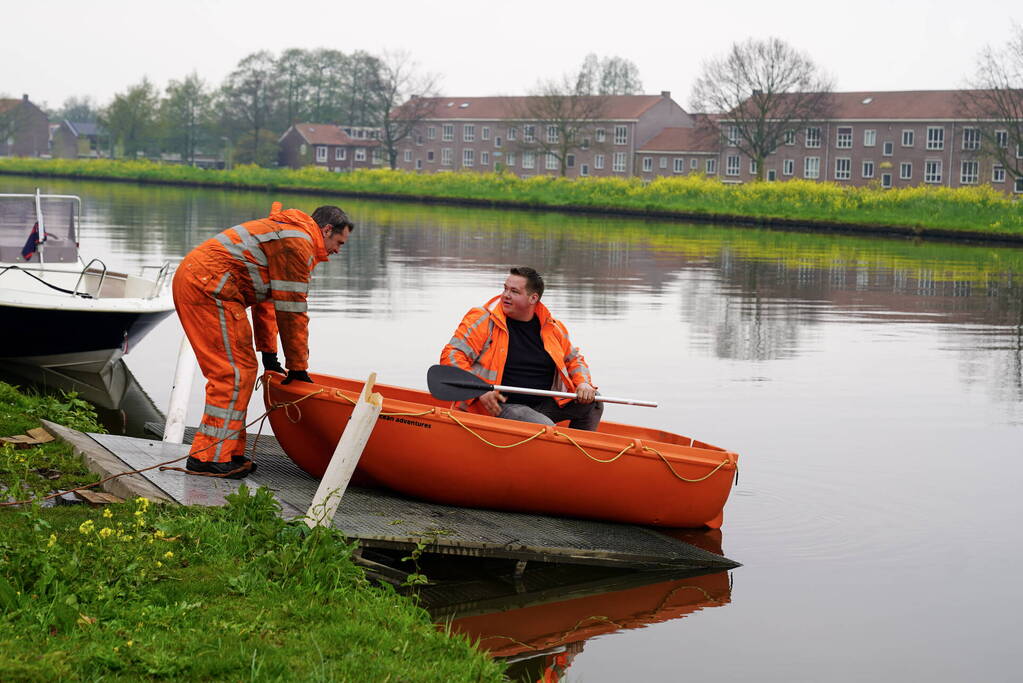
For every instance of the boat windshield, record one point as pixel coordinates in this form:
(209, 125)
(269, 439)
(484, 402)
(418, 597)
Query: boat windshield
(38, 228)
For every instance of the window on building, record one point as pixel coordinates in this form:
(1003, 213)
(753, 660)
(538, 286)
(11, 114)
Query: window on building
(569, 161)
(694, 164)
(529, 133)
(377, 158)
(340, 153)
(419, 164)
(408, 156)
(969, 172)
(790, 137)
(788, 166)
(600, 135)
(621, 135)
(528, 160)
(419, 139)
(868, 169)
(360, 153)
(484, 158)
(886, 180)
(321, 153)
(469, 132)
(869, 137)
(431, 132)
(932, 170)
(752, 166)
(908, 138)
(679, 166)
(732, 165)
(1017, 187)
(711, 166)
(551, 161)
(905, 171)
(813, 137)
(663, 162)
(998, 173)
(843, 140)
(446, 156)
(618, 162)
(648, 164)
(843, 168)
(430, 156)
(598, 162)
(584, 170)
(887, 149)
(497, 141)
(509, 159)
(485, 133)
(468, 157)
(513, 134)
(812, 168)
(447, 133)
(585, 144)
(1002, 138)
(935, 137)
(732, 136)
(552, 134)
(971, 138)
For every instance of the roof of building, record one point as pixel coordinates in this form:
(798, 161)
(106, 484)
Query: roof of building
(6, 104)
(329, 134)
(696, 140)
(85, 128)
(900, 105)
(618, 107)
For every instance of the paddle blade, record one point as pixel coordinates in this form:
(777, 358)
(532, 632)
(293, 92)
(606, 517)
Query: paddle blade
(449, 383)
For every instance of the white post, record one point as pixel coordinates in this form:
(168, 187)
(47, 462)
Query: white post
(184, 372)
(346, 457)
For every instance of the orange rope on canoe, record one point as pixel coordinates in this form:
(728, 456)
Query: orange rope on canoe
(353, 402)
(584, 452)
(679, 476)
(490, 443)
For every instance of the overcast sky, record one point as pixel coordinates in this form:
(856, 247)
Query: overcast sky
(55, 49)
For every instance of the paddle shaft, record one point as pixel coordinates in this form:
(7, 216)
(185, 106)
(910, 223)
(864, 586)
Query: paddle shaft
(565, 394)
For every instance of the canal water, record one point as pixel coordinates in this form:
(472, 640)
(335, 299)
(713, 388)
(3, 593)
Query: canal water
(873, 388)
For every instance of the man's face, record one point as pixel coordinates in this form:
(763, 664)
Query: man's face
(516, 303)
(332, 241)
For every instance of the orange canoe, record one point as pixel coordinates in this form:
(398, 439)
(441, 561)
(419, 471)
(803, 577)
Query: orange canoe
(422, 448)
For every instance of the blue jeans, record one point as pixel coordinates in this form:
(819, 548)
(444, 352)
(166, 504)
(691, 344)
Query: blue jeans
(580, 415)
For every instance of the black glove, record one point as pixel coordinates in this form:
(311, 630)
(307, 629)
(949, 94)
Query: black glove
(300, 375)
(271, 363)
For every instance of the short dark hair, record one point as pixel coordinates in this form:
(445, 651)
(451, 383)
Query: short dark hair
(534, 281)
(333, 216)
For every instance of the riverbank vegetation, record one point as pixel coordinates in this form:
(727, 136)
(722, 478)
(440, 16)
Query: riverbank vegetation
(135, 590)
(973, 212)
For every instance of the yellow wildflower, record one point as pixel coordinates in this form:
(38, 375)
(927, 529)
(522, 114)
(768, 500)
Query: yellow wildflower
(159, 533)
(127, 537)
(52, 541)
(86, 527)
(168, 554)
(107, 513)
(142, 503)
(159, 564)
(105, 532)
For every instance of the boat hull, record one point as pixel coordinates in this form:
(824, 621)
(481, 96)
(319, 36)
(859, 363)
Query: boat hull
(422, 448)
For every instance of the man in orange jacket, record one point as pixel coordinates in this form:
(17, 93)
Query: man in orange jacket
(264, 264)
(519, 343)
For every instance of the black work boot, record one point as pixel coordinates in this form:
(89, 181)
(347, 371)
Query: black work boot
(196, 465)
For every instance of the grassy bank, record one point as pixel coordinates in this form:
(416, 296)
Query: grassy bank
(974, 212)
(136, 591)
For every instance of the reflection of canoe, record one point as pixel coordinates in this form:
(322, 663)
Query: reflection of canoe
(420, 447)
(542, 627)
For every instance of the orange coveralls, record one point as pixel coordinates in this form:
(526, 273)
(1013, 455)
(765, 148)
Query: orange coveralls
(264, 264)
(480, 345)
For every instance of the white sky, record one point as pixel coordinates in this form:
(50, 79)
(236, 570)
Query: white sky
(55, 49)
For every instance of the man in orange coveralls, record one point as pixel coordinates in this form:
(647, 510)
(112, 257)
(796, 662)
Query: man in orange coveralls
(264, 264)
(518, 343)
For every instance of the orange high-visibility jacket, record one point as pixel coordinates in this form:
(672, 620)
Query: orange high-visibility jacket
(266, 264)
(480, 345)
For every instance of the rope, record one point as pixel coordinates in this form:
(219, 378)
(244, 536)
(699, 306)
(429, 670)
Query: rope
(338, 393)
(489, 443)
(584, 452)
(679, 476)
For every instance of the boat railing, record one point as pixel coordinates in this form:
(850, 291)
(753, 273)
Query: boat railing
(162, 275)
(89, 271)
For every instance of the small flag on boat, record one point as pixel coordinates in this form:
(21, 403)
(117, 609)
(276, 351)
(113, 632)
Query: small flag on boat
(29, 250)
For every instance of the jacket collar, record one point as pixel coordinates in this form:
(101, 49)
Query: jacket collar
(494, 308)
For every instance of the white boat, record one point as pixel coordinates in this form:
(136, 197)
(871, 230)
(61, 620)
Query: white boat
(56, 310)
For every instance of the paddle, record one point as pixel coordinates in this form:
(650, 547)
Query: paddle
(449, 383)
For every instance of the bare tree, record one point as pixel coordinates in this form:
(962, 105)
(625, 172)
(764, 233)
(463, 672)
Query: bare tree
(608, 76)
(403, 98)
(558, 122)
(996, 103)
(79, 110)
(248, 101)
(762, 89)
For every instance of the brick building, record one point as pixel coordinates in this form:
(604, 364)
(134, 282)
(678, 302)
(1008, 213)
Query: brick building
(490, 133)
(24, 129)
(79, 140)
(681, 151)
(335, 148)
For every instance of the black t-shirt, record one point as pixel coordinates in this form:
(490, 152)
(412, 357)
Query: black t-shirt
(528, 364)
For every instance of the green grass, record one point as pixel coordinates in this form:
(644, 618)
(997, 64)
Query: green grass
(975, 210)
(136, 591)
